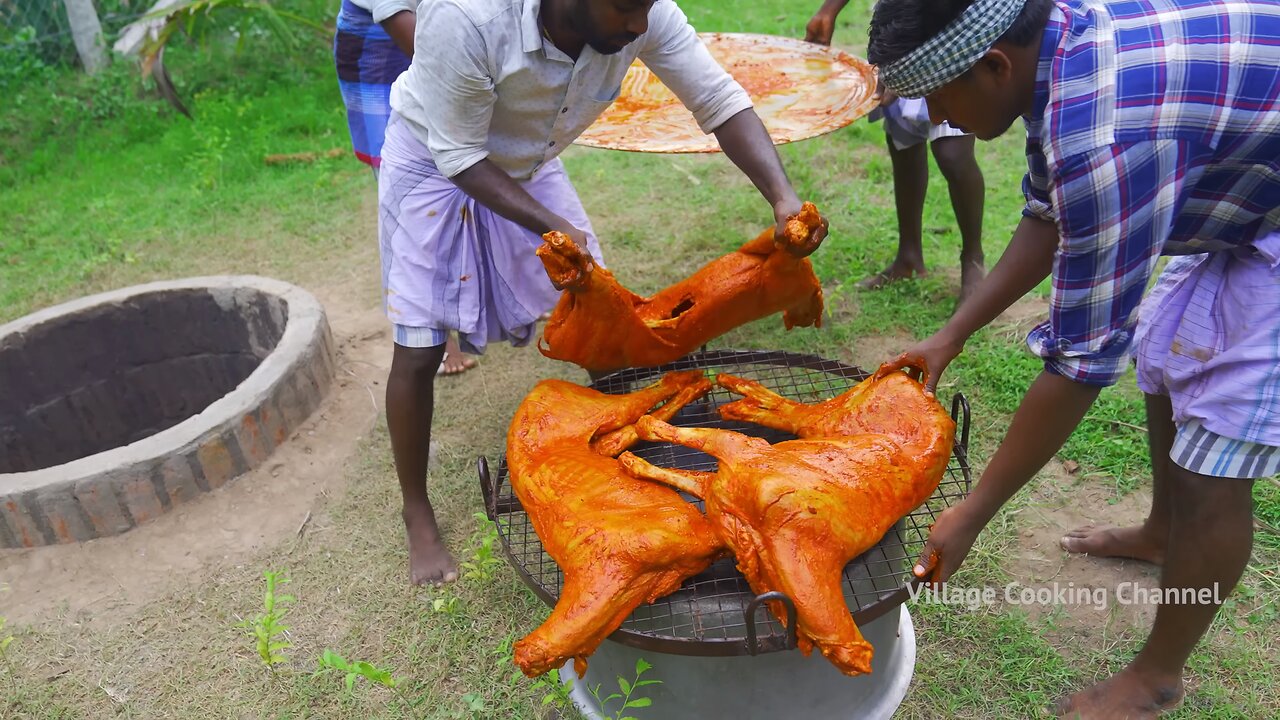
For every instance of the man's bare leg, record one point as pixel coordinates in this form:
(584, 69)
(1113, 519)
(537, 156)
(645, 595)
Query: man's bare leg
(910, 183)
(410, 403)
(959, 165)
(1148, 540)
(1210, 537)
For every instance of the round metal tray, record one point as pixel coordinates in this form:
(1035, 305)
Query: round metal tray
(715, 613)
(800, 90)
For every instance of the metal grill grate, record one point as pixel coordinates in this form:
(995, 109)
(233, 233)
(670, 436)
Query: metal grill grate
(707, 615)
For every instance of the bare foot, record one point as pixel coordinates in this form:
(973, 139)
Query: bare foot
(455, 362)
(1127, 695)
(899, 270)
(971, 275)
(429, 560)
(1137, 543)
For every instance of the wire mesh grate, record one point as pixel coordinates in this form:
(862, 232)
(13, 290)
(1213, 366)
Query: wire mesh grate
(708, 609)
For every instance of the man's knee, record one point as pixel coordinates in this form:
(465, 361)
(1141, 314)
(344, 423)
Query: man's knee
(416, 363)
(955, 158)
(1205, 497)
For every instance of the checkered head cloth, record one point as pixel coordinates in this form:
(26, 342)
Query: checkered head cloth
(949, 54)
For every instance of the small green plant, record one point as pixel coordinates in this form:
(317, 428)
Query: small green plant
(484, 559)
(355, 669)
(450, 606)
(627, 690)
(473, 706)
(267, 627)
(207, 161)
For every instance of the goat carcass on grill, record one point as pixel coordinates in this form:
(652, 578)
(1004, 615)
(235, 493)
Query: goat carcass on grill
(601, 326)
(888, 402)
(620, 541)
(795, 513)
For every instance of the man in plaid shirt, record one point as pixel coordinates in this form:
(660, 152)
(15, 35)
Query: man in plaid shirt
(1152, 130)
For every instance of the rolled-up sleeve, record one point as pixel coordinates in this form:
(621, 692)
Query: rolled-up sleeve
(675, 53)
(452, 87)
(1035, 184)
(383, 9)
(1114, 208)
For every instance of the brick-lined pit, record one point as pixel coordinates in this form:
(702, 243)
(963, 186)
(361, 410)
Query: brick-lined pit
(117, 407)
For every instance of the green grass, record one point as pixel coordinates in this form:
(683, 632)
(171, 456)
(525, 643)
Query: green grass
(103, 187)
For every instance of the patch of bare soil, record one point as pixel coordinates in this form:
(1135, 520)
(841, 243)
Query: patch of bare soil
(1026, 313)
(870, 351)
(108, 579)
(1094, 603)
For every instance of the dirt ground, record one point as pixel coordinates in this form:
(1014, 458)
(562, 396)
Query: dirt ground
(105, 579)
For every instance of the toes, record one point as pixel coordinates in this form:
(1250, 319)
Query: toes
(1076, 543)
(445, 577)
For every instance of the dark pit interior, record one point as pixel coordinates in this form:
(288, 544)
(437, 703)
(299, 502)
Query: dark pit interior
(115, 374)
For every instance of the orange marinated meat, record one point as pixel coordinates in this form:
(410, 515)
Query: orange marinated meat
(619, 541)
(795, 513)
(601, 326)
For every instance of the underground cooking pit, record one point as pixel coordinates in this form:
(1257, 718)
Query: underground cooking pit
(117, 407)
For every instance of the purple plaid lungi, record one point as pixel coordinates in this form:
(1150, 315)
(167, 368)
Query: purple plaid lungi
(1208, 336)
(368, 62)
(450, 263)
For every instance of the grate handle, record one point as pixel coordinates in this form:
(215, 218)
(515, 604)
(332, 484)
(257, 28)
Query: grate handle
(749, 615)
(960, 413)
(486, 488)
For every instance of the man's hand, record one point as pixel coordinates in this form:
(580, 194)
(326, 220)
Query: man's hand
(933, 354)
(494, 188)
(885, 96)
(568, 264)
(579, 237)
(747, 144)
(950, 539)
(783, 212)
(821, 28)
(1050, 411)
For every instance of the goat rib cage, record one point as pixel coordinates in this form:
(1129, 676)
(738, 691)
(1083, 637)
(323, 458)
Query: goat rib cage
(715, 613)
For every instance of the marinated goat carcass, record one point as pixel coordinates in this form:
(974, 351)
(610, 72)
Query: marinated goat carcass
(889, 402)
(795, 513)
(619, 541)
(601, 326)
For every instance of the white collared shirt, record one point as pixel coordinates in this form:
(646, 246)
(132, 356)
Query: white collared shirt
(383, 9)
(486, 83)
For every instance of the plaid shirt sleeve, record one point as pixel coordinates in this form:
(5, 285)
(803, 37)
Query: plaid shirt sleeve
(1035, 184)
(1114, 208)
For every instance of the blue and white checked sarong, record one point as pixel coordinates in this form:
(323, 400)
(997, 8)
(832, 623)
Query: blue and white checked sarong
(368, 61)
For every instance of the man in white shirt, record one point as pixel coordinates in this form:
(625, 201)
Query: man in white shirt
(471, 180)
(372, 44)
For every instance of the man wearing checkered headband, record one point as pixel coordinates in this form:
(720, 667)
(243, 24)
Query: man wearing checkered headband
(1152, 129)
